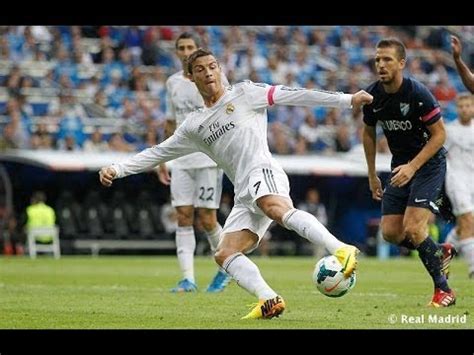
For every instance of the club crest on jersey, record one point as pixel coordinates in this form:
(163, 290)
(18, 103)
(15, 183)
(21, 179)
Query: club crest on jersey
(200, 128)
(404, 108)
(230, 108)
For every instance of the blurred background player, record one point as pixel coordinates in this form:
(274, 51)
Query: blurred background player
(232, 129)
(460, 170)
(466, 75)
(196, 181)
(411, 120)
(313, 205)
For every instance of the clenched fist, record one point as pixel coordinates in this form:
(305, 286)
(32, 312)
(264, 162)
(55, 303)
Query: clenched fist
(361, 98)
(107, 175)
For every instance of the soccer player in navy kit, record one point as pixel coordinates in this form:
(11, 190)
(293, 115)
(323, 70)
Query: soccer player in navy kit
(411, 120)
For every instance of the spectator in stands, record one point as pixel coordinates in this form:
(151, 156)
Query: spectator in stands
(39, 214)
(8, 139)
(466, 74)
(96, 143)
(97, 108)
(4, 48)
(444, 91)
(14, 237)
(118, 144)
(343, 139)
(68, 143)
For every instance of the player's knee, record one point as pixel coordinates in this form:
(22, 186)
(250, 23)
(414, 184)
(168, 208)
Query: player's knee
(185, 217)
(391, 235)
(208, 219)
(221, 254)
(414, 232)
(274, 207)
(466, 225)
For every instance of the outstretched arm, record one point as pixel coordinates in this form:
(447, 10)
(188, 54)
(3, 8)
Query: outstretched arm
(172, 148)
(264, 95)
(467, 76)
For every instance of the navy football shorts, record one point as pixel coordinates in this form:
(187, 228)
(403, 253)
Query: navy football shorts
(423, 190)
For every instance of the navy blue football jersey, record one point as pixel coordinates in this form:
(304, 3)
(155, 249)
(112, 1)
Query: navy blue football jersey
(404, 117)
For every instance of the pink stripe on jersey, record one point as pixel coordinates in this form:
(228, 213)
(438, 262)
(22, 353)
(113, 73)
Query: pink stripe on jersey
(428, 116)
(270, 95)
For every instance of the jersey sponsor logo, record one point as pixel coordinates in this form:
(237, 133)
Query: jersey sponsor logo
(394, 125)
(229, 108)
(219, 132)
(404, 108)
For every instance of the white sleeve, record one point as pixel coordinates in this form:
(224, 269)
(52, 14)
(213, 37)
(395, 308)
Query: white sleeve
(264, 95)
(174, 147)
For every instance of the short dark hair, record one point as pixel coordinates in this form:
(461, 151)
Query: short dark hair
(187, 35)
(393, 42)
(192, 58)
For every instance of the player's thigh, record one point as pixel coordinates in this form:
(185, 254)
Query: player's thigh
(415, 220)
(241, 218)
(267, 181)
(427, 184)
(182, 187)
(208, 188)
(460, 191)
(394, 199)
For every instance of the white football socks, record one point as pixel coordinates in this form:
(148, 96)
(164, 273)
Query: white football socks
(307, 226)
(466, 247)
(214, 236)
(453, 238)
(247, 275)
(185, 247)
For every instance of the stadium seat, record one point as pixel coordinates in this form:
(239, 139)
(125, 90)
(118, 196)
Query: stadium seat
(93, 211)
(67, 214)
(35, 246)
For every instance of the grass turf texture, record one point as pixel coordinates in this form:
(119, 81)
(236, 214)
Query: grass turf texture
(123, 292)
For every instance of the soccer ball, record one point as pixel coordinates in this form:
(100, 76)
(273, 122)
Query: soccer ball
(330, 279)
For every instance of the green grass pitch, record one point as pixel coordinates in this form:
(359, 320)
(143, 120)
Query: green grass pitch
(120, 292)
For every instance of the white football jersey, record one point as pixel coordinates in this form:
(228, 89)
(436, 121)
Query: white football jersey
(460, 146)
(233, 132)
(182, 97)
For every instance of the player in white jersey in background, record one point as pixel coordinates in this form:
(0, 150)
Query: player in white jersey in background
(196, 181)
(460, 170)
(232, 130)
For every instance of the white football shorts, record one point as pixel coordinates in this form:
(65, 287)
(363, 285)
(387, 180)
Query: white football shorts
(460, 191)
(201, 188)
(246, 214)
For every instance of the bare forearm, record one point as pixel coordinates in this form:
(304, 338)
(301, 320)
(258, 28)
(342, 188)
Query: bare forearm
(434, 144)
(369, 142)
(467, 76)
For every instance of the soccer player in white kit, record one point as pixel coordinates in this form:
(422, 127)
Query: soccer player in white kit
(232, 130)
(196, 181)
(460, 170)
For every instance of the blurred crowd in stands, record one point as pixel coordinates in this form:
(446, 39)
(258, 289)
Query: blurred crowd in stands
(102, 88)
